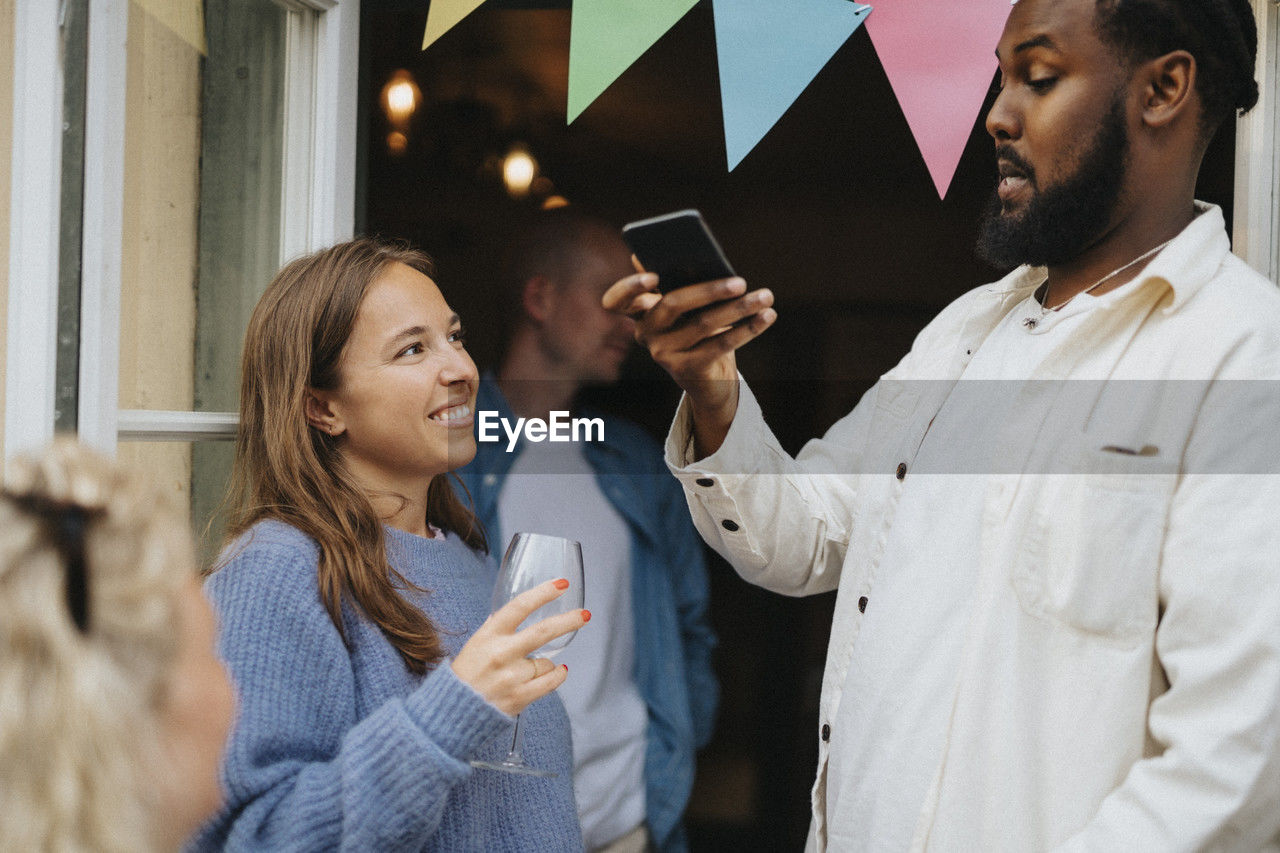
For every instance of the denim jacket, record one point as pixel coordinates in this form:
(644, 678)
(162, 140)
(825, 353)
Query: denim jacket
(669, 592)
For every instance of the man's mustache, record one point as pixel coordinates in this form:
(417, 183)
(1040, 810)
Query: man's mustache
(1006, 153)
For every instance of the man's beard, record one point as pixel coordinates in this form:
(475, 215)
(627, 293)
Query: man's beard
(1062, 221)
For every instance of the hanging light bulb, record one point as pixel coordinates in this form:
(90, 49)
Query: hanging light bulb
(400, 98)
(518, 170)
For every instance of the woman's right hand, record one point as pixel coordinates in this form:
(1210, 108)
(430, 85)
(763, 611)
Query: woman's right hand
(495, 662)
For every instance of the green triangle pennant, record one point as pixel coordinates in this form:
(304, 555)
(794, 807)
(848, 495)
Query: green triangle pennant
(607, 36)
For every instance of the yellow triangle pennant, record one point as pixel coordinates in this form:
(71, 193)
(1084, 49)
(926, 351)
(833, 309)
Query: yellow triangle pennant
(185, 18)
(443, 14)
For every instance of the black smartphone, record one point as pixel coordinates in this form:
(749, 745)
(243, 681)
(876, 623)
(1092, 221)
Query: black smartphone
(679, 248)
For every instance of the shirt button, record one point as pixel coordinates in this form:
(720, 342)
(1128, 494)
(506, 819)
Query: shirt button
(862, 604)
(826, 733)
(902, 471)
(705, 481)
(730, 525)
(490, 480)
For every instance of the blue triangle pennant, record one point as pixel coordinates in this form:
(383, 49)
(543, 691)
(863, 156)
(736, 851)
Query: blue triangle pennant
(769, 51)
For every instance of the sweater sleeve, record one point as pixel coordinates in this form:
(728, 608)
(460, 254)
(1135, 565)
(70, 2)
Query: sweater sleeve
(301, 771)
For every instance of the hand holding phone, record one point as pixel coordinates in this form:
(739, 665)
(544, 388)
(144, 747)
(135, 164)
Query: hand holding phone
(699, 355)
(679, 248)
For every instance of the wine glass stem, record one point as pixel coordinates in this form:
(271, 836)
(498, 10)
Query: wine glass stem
(516, 754)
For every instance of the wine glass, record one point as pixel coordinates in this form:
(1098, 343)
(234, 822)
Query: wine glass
(533, 559)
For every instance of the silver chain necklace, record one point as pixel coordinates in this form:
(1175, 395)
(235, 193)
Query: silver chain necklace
(1032, 322)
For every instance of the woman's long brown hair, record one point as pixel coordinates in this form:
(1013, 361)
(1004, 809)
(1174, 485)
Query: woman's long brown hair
(287, 470)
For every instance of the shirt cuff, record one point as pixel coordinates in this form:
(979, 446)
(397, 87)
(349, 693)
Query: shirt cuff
(734, 451)
(712, 484)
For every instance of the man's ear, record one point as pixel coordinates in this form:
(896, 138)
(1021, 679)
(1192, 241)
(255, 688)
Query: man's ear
(535, 297)
(321, 415)
(1168, 88)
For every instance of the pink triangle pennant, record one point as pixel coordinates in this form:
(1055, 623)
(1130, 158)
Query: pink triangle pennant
(939, 56)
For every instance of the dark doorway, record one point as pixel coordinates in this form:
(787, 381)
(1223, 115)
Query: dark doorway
(834, 211)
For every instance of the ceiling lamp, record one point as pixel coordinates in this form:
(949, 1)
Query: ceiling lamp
(400, 100)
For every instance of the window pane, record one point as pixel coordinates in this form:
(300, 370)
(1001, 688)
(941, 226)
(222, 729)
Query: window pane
(161, 209)
(242, 156)
(203, 163)
(203, 160)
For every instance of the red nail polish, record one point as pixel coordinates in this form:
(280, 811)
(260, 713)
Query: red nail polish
(563, 583)
(566, 667)
(586, 615)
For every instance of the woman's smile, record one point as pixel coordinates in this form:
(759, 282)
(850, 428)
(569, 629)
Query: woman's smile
(454, 415)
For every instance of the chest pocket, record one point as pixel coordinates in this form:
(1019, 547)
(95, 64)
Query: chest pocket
(1090, 557)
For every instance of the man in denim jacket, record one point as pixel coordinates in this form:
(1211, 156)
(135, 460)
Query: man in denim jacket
(643, 694)
(1053, 525)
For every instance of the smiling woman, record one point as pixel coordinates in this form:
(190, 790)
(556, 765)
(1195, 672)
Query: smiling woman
(327, 380)
(355, 590)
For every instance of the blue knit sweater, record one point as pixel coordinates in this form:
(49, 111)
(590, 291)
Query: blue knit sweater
(341, 747)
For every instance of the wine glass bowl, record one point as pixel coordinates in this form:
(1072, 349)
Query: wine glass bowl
(535, 558)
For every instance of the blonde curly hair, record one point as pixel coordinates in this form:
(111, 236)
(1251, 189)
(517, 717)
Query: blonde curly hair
(80, 739)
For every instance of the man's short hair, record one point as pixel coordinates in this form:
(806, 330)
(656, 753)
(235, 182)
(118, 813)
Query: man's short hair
(550, 243)
(1222, 35)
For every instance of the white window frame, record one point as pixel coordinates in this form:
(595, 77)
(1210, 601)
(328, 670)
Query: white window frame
(1257, 185)
(34, 207)
(318, 206)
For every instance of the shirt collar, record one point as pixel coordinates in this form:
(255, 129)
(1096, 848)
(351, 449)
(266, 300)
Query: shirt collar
(1193, 257)
(1017, 283)
(1184, 266)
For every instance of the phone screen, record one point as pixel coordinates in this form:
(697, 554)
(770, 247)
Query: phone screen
(679, 248)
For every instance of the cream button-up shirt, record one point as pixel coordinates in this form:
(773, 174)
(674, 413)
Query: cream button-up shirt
(1117, 683)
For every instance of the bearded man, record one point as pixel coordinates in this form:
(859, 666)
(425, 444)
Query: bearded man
(1053, 526)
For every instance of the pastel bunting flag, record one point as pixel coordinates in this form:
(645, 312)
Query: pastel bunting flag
(939, 56)
(607, 36)
(184, 18)
(443, 14)
(768, 52)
